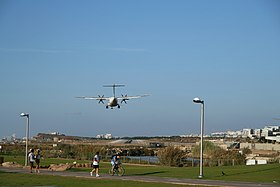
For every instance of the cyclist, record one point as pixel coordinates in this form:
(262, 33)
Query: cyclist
(116, 161)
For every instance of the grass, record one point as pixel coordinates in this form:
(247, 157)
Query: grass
(19, 179)
(259, 173)
(269, 173)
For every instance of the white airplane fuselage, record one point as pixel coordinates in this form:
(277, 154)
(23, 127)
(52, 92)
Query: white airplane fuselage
(113, 102)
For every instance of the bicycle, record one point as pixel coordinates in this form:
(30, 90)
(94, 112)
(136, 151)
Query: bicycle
(118, 170)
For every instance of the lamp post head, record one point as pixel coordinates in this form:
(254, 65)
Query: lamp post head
(24, 115)
(197, 100)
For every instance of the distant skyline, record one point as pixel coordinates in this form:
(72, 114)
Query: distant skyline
(225, 52)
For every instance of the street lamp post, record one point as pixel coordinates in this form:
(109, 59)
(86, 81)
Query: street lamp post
(26, 135)
(197, 100)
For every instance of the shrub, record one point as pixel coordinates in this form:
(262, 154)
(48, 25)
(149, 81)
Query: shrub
(218, 156)
(170, 156)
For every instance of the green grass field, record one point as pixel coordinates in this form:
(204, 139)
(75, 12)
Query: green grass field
(260, 173)
(19, 179)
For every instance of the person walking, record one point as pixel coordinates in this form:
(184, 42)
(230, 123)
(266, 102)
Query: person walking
(95, 165)
(31, 158)
(37, 160)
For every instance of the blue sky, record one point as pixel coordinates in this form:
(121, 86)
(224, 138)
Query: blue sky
(226, 52)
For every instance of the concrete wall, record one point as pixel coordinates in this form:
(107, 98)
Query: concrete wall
(260, 146)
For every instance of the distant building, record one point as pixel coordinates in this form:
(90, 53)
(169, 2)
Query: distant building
(247, 133)
(218, 134)
(273, 139)
(104, 136)
(258, 133)
(268, 133)
(271, 134)
(227, 134)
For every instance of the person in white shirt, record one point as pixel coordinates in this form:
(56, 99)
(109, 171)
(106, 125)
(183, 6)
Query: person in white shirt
(31, 158)
(95, 165)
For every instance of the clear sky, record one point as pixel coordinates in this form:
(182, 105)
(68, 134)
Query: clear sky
(225, 52)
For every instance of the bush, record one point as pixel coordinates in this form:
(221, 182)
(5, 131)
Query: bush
(209, 149)
(218, 156)
(170, 156)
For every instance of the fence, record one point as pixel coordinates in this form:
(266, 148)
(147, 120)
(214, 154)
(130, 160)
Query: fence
(136, 159)
(186, 162)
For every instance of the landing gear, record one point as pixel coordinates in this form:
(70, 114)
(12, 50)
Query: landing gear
(112, 107)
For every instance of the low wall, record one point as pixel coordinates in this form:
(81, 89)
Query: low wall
(261, 146)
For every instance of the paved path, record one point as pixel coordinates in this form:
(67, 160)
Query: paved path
(149, 179)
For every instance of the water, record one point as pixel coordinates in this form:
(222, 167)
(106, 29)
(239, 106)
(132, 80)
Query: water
(155, 160)
(149, 159)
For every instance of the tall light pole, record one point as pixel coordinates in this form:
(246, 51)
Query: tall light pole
(197, 100)
(26, 135)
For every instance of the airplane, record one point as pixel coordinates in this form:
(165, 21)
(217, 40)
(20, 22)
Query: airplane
(113, 101)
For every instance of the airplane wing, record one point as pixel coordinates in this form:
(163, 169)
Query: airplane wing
(124, 98)
(93, 98)
(100, 99)
(132, 97)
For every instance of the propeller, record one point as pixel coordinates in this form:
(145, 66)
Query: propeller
(124, 98)
(101, 99)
